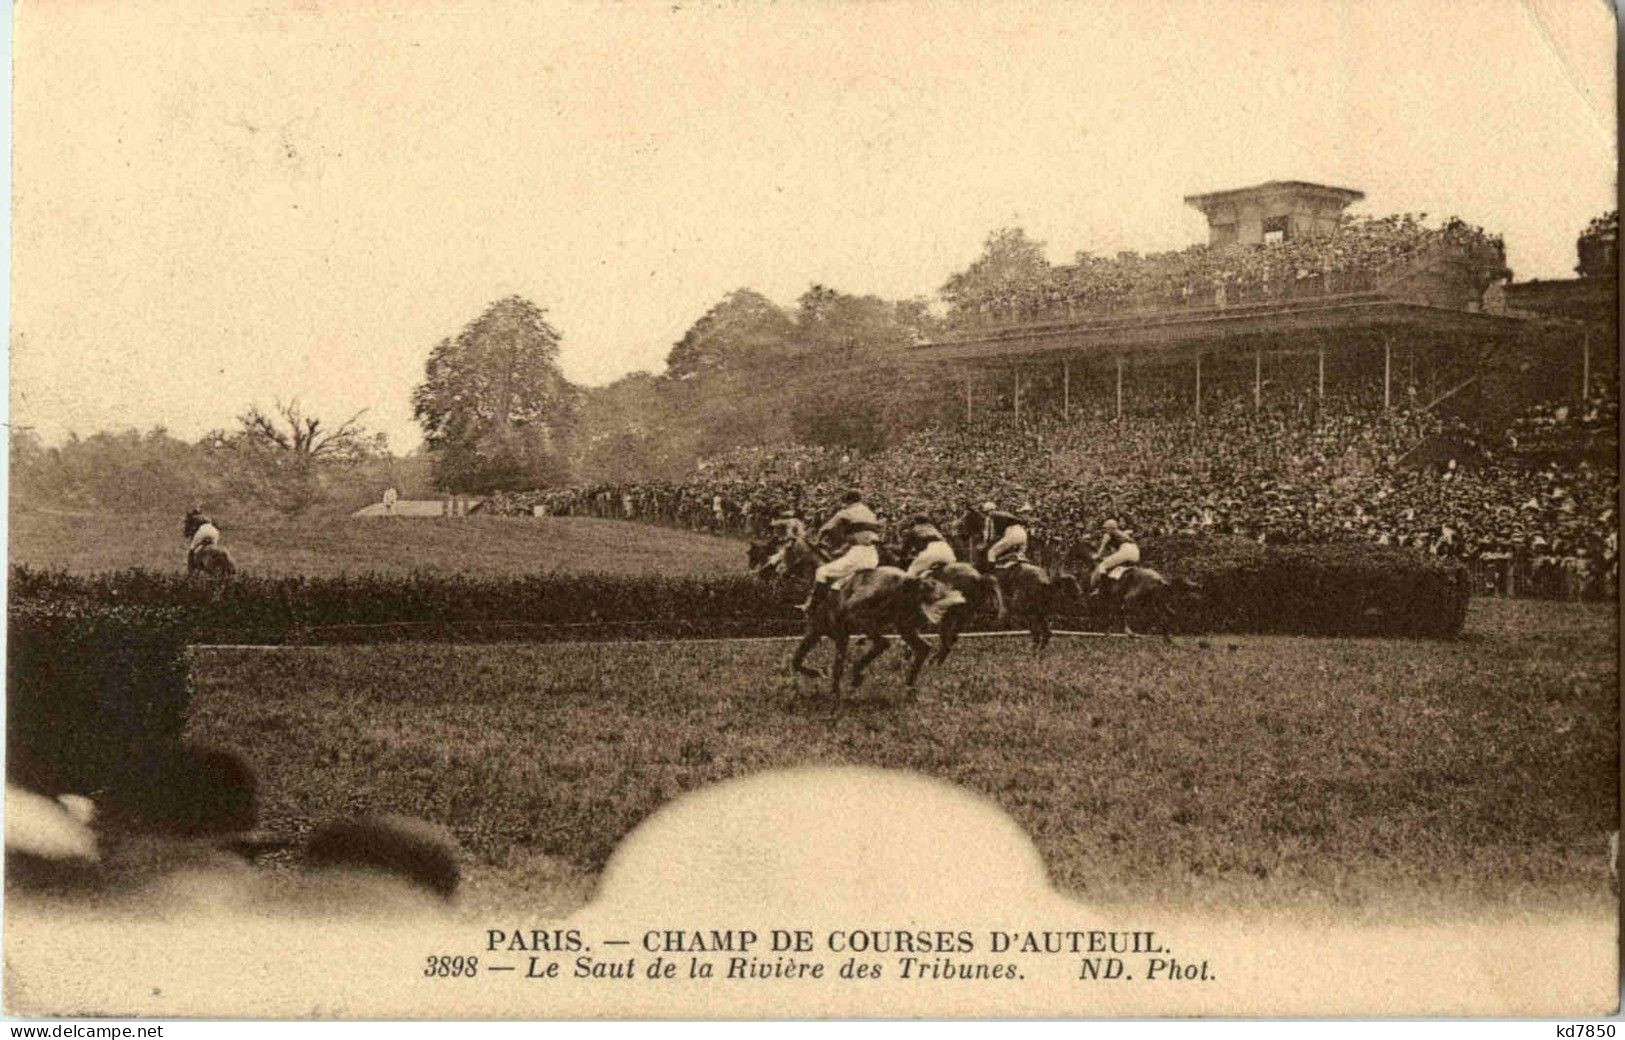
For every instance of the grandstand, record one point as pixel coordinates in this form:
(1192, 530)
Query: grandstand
(1286, 276)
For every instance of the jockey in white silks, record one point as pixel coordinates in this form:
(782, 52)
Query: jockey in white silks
(858, 529)
(1123, 553)
(199, 531)
(787, 530)
(1004, 534)
(930, 548)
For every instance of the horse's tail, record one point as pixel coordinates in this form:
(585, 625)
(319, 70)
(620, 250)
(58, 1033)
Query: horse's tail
(990, 582)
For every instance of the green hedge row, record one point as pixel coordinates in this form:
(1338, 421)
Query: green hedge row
(1353, 589)
(370, 608)
(1350, 589)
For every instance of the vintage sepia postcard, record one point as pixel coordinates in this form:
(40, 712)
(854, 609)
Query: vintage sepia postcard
(821, 509)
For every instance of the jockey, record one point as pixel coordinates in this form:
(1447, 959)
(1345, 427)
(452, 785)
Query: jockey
(787, 530)
(927, 545)
(199, 530)
(858, 529)
(1004, 534)
(1122, 552)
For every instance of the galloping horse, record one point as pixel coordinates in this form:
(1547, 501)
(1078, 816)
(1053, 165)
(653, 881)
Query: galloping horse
(873, 602)
(1143, 595)
(212, 561)
(1034, 593)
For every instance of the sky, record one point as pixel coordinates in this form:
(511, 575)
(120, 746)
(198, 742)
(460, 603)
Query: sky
(224, 203)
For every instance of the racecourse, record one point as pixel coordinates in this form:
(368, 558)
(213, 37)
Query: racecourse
(1364, 777)
(1378, 778)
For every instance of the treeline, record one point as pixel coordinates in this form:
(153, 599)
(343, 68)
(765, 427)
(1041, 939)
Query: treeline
(154, 471)
(832, 371)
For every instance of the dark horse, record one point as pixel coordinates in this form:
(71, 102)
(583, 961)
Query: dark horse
(1034, 594)
(211, 561)
(871, 603)
(1145, 597)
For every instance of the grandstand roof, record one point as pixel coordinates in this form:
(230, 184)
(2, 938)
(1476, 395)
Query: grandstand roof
(1300, 189)
(1149, 331)
(1594, 300)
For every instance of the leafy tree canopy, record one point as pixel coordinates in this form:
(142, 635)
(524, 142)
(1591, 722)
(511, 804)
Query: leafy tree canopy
(495, 408)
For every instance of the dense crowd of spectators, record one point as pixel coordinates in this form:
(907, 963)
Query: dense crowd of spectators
(1352, 258)
(1284, 474)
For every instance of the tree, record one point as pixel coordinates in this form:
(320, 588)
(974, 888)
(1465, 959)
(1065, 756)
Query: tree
(1009, 260)
(495, 408)
(1598, 247)
(286, 459)
(829, 321)
(745, 328)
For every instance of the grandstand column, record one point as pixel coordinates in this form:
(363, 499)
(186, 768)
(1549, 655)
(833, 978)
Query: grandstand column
(967, 398)
(1258, 378)
(1585, 363)
(1066, 389)
(1387, 371)
(1320, 371)
(1016, 397)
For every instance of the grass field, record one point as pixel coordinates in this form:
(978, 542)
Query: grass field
(90, 543)
(1365, 776)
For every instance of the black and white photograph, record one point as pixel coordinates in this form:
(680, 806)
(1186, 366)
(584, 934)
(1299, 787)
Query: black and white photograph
(702, 510)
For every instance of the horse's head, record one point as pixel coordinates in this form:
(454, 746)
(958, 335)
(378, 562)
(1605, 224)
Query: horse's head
(1187, 588)
(1067, 585)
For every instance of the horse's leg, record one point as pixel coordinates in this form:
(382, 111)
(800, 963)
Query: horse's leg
(1165, 614)
(839, 666)
(947, 634)
(806, 645)
(921, 649)
(877, 644)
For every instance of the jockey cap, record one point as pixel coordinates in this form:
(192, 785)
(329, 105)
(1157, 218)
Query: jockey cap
(852, 496)
(989, 506)
(919, 518)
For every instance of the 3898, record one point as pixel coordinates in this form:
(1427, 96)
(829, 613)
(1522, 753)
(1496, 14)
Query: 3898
(445, 966)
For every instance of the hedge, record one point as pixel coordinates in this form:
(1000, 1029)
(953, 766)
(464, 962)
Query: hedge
(1353, 589)
(1348, 589)
(372, 608)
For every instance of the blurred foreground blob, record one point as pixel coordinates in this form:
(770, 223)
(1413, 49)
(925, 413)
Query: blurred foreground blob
(204, 791)
(49, 842)
(411, 850)
(50, 829)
